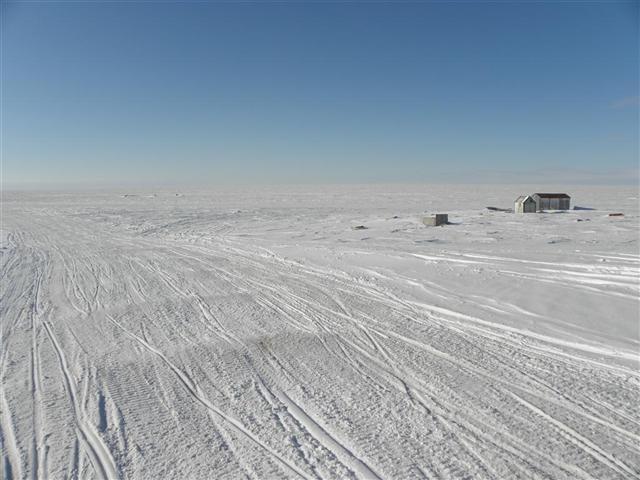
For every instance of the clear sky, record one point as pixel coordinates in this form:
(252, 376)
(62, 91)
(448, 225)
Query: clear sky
(118, 93)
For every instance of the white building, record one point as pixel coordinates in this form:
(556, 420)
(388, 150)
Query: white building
(525, 204)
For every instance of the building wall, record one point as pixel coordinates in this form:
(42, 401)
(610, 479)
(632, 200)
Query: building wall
(544, 204)
(557, 203)
(517, 207)
(529, 206)
(525, 206)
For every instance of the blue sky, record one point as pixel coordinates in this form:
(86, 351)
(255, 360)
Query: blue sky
(98, 93)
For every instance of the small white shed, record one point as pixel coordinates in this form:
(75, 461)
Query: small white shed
(525, 204)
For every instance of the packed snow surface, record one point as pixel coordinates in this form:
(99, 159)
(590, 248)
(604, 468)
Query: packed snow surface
(257, 333)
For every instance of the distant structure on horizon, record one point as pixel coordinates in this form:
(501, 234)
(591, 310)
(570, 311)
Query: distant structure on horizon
(436, 220)
(542, 201)
(525, 204)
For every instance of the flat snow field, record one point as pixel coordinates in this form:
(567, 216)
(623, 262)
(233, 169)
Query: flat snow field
(257, 334)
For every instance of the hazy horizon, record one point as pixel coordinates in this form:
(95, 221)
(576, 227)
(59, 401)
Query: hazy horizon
(171, 189)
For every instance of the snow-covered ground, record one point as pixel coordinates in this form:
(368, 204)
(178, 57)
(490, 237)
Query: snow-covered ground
(255, 333)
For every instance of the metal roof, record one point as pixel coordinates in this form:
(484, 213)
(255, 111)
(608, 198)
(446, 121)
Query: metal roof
(552, 195)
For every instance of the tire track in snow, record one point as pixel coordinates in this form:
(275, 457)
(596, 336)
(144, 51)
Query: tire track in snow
(418, 395)
(67, 279)
(415, 391)
(212, 323)
(356, 464)
(415, 394)
(592, 349)
(12, 464)
(580, 409)
(582, 442)
(468, 434)
(100, 456)
(557, 398)
(582, 285)
(194, 390)
(286, 300)
(38, 462)
(242, 284)
(346, 456)
(277, 397)
(98, 452)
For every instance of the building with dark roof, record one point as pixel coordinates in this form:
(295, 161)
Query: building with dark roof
(551, 201)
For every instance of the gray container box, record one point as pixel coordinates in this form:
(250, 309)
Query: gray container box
(436, 220)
